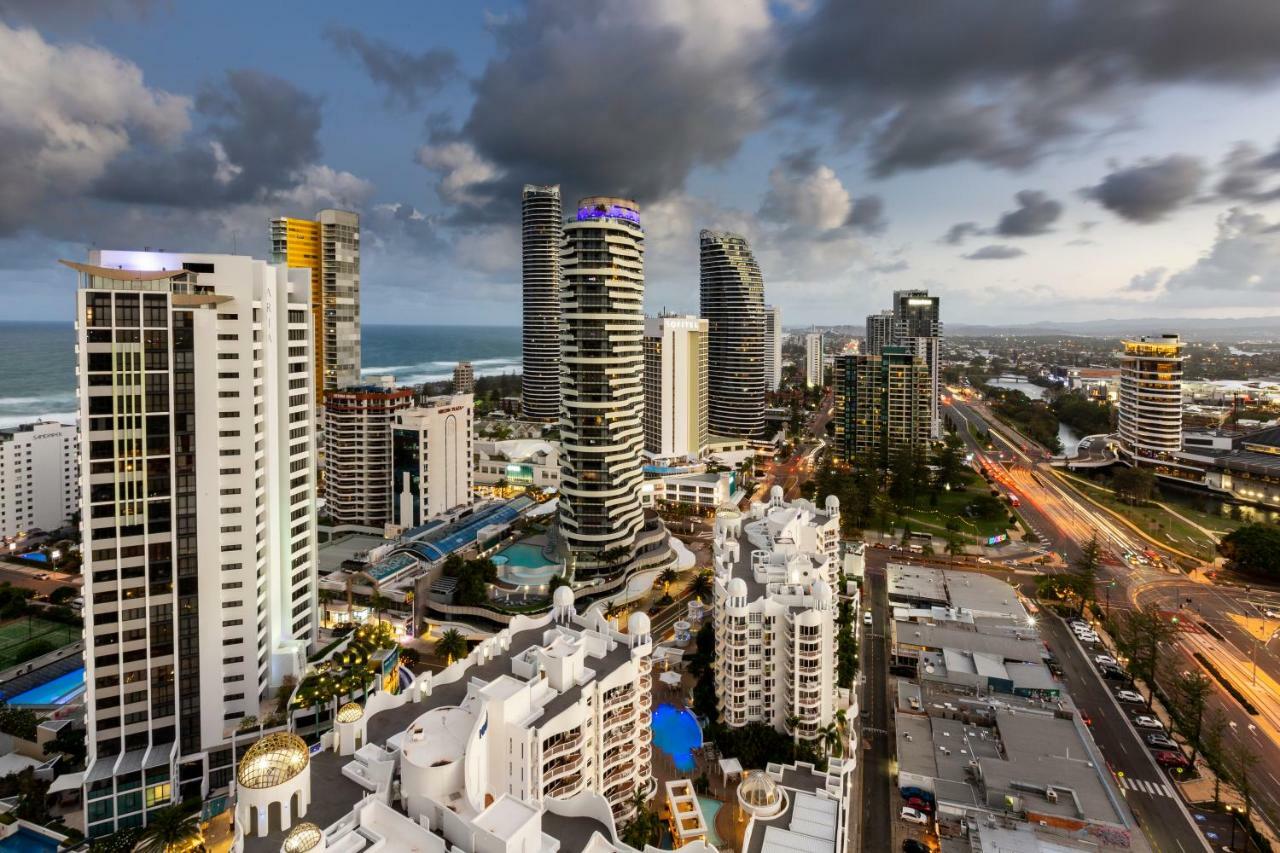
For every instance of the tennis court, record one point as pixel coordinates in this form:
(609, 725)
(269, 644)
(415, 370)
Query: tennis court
(16, 633)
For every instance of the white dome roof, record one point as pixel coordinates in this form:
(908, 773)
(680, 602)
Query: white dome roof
(637, 623)
(562, 597)
(757, 789)
(737, 588)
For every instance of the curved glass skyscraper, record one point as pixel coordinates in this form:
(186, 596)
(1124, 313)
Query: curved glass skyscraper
(541, 235)
(602, 379)
(732, 302)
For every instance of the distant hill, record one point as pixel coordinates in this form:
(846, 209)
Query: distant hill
(1190, 328)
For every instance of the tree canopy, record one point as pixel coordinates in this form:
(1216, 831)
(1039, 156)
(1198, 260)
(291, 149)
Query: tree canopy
(1253, 549)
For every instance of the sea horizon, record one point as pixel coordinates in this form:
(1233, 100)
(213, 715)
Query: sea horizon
(38, 379)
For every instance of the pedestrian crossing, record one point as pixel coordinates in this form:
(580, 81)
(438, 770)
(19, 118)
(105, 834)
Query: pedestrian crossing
(1155, 789)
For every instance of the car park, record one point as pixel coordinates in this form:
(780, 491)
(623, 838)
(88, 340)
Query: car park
(915, 816)
(1144, 721)
(1161, 741)
(1130, 696)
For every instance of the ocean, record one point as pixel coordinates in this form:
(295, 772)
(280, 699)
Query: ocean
(37, 361)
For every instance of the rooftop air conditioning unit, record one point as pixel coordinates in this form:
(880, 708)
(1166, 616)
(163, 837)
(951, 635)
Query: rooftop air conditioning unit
(1051, 794)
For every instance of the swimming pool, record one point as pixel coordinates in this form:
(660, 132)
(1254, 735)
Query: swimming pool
(57, 691)
(524, 565)
(26, 841)
(709, 809)
(676, 732)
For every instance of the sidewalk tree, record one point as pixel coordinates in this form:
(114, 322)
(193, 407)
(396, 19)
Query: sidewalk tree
(1188, 699)
(451, 645)
(1084, 571)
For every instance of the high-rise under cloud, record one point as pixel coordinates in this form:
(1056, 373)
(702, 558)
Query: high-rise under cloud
(732, 302)
(540, 238)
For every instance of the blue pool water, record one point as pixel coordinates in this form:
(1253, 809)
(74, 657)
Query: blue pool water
(709, 808)
(26, 841)
(57, 691)
(524, 565)
(676, 732)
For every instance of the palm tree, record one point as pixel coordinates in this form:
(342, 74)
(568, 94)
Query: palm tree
(451, 645)
(172, 828)
(613, 611)
(830, 738)
(667, 577)
(702, 584)
(379, 603)
(326, 597)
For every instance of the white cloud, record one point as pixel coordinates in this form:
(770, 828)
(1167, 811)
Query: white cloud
(462, 170)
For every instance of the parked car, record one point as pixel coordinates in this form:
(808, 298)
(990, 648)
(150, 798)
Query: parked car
(1161, 740)
(1130, 696)
(1113, 673)
(920, 804)
(1107, 659)
(866, 618)
(910, 845)
(1144, 721)
(912, 791)
(915, 816)
(1166, 758)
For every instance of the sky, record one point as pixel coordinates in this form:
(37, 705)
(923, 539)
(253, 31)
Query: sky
(1027, 160)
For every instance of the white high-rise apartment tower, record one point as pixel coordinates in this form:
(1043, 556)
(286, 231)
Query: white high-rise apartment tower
(1150, 410)
(879, 332)
(813, 360)
(197, 405)
(731, 298)
(675, 386)
(432, 463)
(772, 347)
(39, 484)
(776, 569)
(541, 235)
(601, 377)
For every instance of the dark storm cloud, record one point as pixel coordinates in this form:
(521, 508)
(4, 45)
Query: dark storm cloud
(261, 131)
(1250, 175)
(867, 215)
(1150, 190)
(1035, 214)
(407, 77)
(961, 231)
(1000, 81)
(995, 253)
(609, 97)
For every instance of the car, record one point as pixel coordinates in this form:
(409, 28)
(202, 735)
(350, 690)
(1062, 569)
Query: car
(1107, 659)
(915, 816)
(910, 845)
(1143, 721)
(866, 618)
(1113, 673)
(1161, 740)
(912, 791)
(1130, 696)
(920, 804)
(1088, 638)
(1081, 627)
(1171, 758)
(984, 561)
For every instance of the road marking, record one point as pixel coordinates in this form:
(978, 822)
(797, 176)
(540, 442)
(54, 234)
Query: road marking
(1154, 789)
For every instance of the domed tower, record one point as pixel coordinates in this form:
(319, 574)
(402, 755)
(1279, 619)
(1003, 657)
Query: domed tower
(638, 629)
(274, 777)
(562, 604)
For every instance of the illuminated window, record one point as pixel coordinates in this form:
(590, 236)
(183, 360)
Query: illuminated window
(157, 794)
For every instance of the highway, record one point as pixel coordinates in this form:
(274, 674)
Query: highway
(1228, 625)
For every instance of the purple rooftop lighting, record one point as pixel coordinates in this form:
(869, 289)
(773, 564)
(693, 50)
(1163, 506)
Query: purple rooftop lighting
(608, 211)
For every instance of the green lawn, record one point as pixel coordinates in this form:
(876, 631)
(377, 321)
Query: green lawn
(17, 633)
(925, 518)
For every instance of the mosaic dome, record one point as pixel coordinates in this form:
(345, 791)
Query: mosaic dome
(757, 789)
(273, 760)
(303, 837)
(350, 712)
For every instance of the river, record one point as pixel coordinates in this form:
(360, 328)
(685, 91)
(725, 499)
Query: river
(1070, 440)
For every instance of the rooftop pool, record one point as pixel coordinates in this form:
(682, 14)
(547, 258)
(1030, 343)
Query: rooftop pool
(57, 691)
(677, 733)
(26, 841)
(523, 565)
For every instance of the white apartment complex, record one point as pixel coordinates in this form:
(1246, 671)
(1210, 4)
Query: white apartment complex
(813, 360)
(197, 402)
(357, 442)
(776, 571)
(772, 347)
(675, 386)
(39, 480)
(1150, 410)
(432, 458)
(518, 462)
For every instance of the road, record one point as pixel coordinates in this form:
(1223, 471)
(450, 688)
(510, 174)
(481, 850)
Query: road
(1238, 628)
(877, 774)
(798, 467)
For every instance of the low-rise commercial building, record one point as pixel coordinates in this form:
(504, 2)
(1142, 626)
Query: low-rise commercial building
(518, 463)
